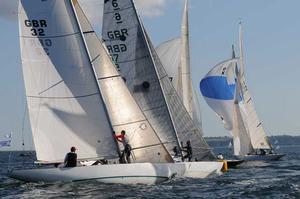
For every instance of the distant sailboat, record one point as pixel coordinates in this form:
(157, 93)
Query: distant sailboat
(69, 80)
(225, 91)
(134, 55)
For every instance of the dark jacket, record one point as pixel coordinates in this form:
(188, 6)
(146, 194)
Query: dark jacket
(71, 160)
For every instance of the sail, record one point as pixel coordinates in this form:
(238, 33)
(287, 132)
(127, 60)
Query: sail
(175, 57)
(218, 90)
(123, 111)
(241, 139)
(64, 103)
(185, 63)
(169, 54)
(133, 53)
(255, 128)
(183, 123)
(126, 44)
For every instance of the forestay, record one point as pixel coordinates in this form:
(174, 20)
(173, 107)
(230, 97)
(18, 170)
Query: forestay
(123, 111)
(126, 43)
(64, 103)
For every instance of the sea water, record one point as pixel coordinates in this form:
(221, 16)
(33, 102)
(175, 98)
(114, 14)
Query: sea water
(279, 179)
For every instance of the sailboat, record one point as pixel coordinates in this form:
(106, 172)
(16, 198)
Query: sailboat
(225, 90)
(137, 61)
(76, 97)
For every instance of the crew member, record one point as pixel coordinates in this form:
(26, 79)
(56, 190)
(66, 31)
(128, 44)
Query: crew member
(71, 158)
(126, 152)
(188, 150)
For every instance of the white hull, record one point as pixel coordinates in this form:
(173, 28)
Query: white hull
(139, 173)
(267, 157)
(196, 169)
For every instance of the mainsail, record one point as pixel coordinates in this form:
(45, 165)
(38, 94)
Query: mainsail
(175, 57)
(123, 111)
(64, 102)
(136, 59)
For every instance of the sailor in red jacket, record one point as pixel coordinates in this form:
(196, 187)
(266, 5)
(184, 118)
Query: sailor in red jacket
(126, 152)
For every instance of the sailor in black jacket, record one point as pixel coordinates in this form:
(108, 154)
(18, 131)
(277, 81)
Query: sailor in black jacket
(71, 158)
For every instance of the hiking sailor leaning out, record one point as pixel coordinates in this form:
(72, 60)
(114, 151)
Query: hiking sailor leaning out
(126, 150)
(71, 158)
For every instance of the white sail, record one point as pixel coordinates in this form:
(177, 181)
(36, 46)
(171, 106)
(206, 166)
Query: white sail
(187, 91)
(64, 103)
(145, 77)
(169, 53)
(185, 127)
(125, 42)
(123, 111)
(175, 57)
(241, 139)
(255, 129)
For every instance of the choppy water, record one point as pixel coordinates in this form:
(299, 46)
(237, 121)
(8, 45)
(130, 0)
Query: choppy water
(279, 179)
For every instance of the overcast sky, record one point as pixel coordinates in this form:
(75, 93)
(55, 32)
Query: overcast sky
(272, 49)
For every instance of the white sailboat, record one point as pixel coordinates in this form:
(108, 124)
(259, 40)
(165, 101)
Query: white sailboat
(225, 90)
(69, 80)
(131, 50)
